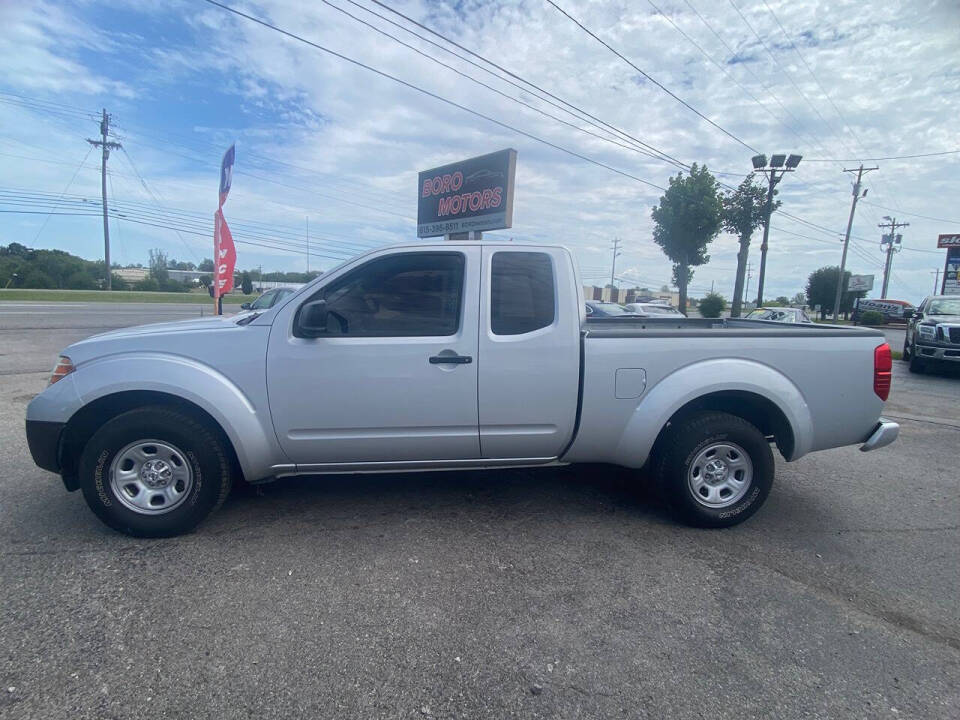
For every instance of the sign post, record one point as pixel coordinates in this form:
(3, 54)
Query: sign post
(462, 199)
(951, 267)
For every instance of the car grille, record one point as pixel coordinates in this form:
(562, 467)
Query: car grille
(955, 334)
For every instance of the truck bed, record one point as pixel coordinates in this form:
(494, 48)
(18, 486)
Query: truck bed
(723, 327)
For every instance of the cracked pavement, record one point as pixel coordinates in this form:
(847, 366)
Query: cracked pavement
(533, 594)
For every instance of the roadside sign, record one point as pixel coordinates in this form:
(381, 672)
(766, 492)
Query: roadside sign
(951, 272)
(860, 283)
(948, 241)
(470, 195)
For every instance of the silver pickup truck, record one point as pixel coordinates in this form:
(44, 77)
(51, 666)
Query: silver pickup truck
(448, 356)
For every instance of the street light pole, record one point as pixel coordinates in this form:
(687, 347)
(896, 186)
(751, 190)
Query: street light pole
(784, 164)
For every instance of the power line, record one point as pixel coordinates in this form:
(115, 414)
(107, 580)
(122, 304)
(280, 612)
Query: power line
(782, 69)
(765, 86)
(499, 92)
(904, 212)
(843, 119)
(426, 92)
(722, 69)
(153, 197)
(583, 114)
(64, 192)
(651, 79)
(889, 157)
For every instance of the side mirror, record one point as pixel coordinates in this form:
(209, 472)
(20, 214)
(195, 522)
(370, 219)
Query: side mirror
(908, 313)
(245, 306)
(313, 318)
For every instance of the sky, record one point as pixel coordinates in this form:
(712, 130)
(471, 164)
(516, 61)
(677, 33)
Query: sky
(328, 147)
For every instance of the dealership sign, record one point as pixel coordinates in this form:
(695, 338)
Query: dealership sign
(948, 241)
(860, 283)
(474, 194)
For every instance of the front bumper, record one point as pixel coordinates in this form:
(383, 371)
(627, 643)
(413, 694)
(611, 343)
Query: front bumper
(937, 351)
(43, 438)
(883, 434)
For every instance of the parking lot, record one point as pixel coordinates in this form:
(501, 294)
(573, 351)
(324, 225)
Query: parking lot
(549, 593)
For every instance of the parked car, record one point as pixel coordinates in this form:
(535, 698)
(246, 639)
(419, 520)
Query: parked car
(650, 309)
(444, 356)
(933, 332)
(779, 314)
(600, 309)
(268, 299)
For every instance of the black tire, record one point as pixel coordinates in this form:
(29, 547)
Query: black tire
(905, 355)
(201, 448)
(916, 364)
(681, 448)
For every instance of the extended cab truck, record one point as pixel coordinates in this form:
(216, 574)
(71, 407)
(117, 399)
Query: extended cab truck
(448, 356)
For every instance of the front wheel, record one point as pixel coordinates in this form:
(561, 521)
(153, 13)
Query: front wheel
(916, 364)
(715, 469)
(154, 472)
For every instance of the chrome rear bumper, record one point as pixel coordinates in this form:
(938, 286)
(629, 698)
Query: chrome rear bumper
(883, 434)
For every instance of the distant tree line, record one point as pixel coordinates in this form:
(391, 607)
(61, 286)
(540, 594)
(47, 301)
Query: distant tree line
(23, 267)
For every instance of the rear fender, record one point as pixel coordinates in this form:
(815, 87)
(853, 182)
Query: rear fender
(704, 378)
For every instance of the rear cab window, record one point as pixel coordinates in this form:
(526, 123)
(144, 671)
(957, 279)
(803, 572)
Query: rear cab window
(522, 292)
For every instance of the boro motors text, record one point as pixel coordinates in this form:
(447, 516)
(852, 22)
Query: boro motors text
(456, 204)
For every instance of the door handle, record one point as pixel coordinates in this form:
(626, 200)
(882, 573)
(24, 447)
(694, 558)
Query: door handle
(450, 359)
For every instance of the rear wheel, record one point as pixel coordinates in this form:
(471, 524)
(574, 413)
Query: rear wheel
(715, 469)
(905, 355)
(154, 472)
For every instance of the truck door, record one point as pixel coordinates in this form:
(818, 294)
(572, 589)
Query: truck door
(394, 377)
(529, 352)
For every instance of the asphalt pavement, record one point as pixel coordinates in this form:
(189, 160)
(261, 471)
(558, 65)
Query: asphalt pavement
(532, 594)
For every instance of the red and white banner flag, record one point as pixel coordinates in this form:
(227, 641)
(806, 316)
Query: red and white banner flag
(224, 251)
(225, 255)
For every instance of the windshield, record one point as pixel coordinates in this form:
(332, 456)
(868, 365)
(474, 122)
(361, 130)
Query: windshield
(611, 309)
(765, 314)
(946, 306)
(265, 301)
(660, 310)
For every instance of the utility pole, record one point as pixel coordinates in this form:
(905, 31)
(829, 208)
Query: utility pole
(846, 238)
(746, 292)
(892, 241)
(105, 145)
(308, 244)
(616, 254)
(936, 282)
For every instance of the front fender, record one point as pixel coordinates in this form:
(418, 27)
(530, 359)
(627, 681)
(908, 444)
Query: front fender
(704, 378)
(246, 423)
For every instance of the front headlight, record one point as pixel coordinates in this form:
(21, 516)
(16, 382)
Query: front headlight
(927, 331)
(63, 368)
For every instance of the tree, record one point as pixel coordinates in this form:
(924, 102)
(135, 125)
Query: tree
(158, 267)
(799, 299)
(205, 280)
(782, 300)
(744, 210)
(206, 265)
(246, 284)
(686, 220)
(712, 305)
(822, 288)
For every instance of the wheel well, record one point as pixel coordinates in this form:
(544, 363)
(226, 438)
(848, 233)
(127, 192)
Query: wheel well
(91, 417)
(755, 409)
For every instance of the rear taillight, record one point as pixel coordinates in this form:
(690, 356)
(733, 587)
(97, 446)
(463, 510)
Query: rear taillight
(64, 367)
(882, 371)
